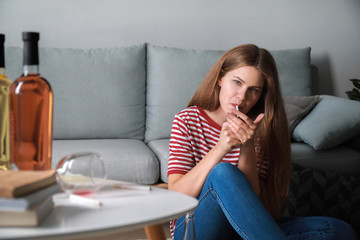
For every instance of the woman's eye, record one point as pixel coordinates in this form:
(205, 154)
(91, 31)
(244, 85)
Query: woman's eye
(237, 82)
(255, 90)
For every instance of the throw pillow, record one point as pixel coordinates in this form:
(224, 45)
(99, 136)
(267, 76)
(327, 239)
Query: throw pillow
(333, 121)
(318, 193)
(297, 108)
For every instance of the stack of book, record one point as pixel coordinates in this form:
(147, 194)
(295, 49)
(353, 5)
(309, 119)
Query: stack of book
(26, 197)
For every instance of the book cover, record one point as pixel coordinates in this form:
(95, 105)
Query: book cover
(25, 202)
(31, 217)
(20, 183)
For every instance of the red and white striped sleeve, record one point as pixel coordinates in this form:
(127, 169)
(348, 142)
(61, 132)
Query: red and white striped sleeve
(180, 159)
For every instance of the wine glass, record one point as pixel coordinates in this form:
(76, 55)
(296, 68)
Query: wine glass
(81, 173)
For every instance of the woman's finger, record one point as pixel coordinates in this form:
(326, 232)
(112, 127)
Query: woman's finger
(259, 118)
(239, 131)
(244, 128)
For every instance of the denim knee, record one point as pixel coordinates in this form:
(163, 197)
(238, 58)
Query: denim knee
(317, 227)
(226, 173)
(223, 169)
(342, 230)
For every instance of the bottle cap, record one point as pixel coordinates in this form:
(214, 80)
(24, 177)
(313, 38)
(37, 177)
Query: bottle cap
(31, 55)
(30, 36)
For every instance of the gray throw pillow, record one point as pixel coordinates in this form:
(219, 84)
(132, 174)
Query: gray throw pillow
(332, 122)
(297, 108)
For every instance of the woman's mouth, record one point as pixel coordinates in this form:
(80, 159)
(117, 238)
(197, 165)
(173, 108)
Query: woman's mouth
(235, 106)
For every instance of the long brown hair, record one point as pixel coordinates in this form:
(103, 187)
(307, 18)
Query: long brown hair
(273, 130)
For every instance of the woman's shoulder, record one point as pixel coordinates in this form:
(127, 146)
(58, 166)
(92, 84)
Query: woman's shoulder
(189, 111)
(189, 114)
(196, 116)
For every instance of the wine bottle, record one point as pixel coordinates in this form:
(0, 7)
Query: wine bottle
(4, 111)
(31, 109)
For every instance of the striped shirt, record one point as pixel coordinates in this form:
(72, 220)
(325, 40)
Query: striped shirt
(193, 135)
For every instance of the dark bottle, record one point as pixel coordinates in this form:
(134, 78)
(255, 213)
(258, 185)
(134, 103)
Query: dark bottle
(31, 110)
(4, 111)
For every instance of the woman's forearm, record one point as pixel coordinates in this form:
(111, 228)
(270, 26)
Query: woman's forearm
(192, 182)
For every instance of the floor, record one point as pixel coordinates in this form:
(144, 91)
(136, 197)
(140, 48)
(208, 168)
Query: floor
(133, 235)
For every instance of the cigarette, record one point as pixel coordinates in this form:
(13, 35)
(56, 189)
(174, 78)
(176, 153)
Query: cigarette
(134, 187)
(237, 108)
(85, 201)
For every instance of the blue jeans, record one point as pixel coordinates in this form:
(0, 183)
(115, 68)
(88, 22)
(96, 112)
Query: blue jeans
(229, 209)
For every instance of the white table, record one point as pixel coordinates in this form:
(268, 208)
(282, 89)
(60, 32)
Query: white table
(121, 211)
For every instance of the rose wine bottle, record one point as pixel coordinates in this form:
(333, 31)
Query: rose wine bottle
(31, 109)
(4, 111)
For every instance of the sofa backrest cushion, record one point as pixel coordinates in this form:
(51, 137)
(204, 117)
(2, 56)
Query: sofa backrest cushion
(98, 93)
(173, 75)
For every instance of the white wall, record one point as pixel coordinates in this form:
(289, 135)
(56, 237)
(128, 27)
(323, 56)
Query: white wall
(330, 27)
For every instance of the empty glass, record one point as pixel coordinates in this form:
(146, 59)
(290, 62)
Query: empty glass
(81, 173)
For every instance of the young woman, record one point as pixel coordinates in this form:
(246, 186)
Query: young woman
(230, 149)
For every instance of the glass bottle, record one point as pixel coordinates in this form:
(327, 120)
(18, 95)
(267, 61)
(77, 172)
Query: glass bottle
(4, 111)
(31, 110)
(189, 229)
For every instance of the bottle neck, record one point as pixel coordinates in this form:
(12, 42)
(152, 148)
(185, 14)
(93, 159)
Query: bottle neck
(31, 58)
(2, 71)
(2, 55)
(30, 70)
(189, 216)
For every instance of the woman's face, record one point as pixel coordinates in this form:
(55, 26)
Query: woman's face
(241, 87)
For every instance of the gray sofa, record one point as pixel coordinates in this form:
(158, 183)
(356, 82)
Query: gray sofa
(120, 102)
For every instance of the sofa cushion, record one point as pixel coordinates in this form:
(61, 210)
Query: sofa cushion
(125, 159)
(333, 121)
(297, 108)
(172, 78)
(173, 75)
(161, 149)
(98, 93)
(340, 159)
(301, 153)
(294, 71)
(354, 142)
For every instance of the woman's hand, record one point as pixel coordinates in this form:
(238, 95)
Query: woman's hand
(228, 140)
(243, 127)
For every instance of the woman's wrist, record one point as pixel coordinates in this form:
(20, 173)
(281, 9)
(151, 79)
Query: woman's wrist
(220, 150)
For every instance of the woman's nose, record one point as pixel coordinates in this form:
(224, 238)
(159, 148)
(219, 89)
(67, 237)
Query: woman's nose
(242, 93)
